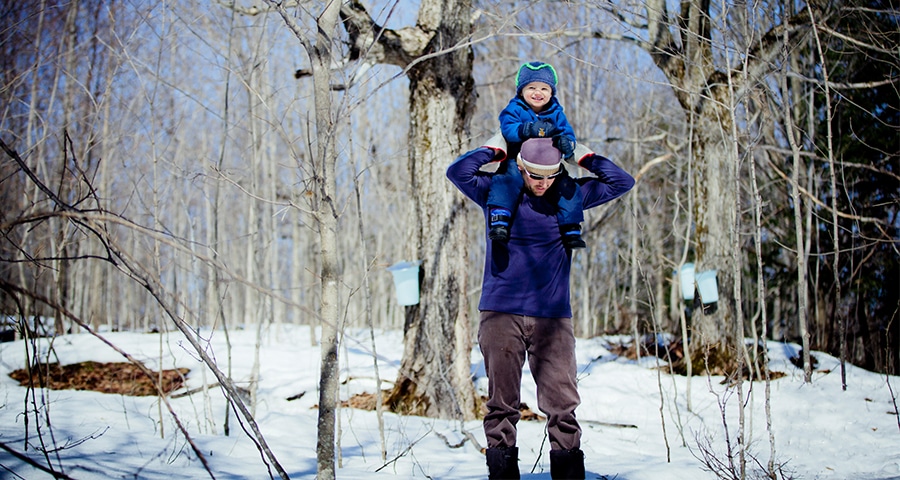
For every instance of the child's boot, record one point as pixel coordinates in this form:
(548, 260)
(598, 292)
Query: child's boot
(499, 225)
(571, 236)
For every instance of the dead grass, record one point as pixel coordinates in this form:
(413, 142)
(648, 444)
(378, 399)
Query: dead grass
(366, 401)
(123, 378)
(714, 360)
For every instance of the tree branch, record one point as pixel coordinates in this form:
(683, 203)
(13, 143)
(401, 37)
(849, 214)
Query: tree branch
(822, 204)
(849, 39)
(28, 460)
(845, 86)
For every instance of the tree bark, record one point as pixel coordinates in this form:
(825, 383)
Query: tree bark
(435, 372)
(326, 213)
(699, 87)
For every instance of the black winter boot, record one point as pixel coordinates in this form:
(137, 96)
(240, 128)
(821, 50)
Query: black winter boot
(499, 233)
(567, 464)
(503, 463)
(571, 236)
(499, 224)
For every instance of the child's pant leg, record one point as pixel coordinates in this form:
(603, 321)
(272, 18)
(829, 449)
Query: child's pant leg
(506, 186)
(570, 201)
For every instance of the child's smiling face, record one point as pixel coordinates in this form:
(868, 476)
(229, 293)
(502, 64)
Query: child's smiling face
(537, 95)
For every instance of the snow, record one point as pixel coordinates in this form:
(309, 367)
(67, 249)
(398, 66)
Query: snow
(820, 431)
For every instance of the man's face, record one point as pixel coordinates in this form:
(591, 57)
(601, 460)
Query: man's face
(537, 95)
(537, 186)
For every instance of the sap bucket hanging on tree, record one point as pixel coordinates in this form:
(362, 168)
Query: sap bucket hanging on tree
(406, 281)
(709, 291)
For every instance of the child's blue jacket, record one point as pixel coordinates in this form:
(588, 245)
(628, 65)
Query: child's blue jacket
(518, 112)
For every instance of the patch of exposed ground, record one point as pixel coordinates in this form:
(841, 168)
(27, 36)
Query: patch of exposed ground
(122, 377)
(366, 401)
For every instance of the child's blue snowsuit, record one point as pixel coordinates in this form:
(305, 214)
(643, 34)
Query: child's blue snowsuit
(508, 183)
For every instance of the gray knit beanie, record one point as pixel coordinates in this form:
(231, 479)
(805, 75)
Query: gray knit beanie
(539, 156)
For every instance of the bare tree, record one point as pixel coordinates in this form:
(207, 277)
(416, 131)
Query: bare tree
(681, 45)
(436, 56)
(327, 212)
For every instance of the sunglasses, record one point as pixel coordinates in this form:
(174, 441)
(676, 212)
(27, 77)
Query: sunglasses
(535, 176)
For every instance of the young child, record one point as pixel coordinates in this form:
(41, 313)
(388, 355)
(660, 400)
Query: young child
(535, 112)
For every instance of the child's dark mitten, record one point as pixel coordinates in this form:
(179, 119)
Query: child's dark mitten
(565, 145)
(536, 129)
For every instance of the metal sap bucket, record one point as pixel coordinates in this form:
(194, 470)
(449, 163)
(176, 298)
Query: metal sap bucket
(406, 281)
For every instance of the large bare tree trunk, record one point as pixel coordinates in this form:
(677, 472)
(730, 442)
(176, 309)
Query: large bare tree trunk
(713, 204)
(689, 65)
(435, 373)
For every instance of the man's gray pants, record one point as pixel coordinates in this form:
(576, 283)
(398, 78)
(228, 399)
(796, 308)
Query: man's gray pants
(549, 345)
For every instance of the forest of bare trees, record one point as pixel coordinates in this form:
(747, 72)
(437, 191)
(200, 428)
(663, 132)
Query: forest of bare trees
(232, 165)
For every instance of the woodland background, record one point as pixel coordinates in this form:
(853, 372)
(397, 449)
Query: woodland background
(163, 164)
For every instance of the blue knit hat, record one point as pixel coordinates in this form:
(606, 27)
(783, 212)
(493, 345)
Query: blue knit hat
(536, 72)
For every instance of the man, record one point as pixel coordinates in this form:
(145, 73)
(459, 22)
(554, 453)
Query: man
(525, 309)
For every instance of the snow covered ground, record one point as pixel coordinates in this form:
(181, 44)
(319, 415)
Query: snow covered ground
(820, 431)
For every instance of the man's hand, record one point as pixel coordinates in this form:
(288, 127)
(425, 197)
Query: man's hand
(565, 145)
(536, 129)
